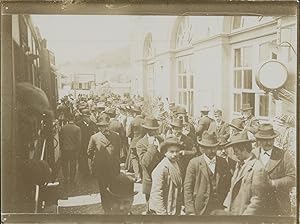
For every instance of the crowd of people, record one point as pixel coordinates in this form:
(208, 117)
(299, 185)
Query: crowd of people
(186, 165)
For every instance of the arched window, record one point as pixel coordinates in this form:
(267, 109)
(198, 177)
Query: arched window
(184, 34)
(249, 21)
(148, 48)
(184, 74)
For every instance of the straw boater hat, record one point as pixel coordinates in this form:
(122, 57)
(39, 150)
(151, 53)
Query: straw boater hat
(204, 109)
(122, 186)
(239, 138)
(150, 123)
(237, 123)
(266, 131)
(103, 120)
(246, 107)
(170, 141)
(100, 105)
(209, 139)
(177, 123)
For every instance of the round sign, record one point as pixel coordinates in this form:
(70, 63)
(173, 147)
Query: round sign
(272, 75)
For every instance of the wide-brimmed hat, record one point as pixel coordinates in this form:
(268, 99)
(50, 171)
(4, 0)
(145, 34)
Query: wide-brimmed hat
(238, 138)
(180, 110)
(237, 123)
(266, 131)
(170, 141)
(100, 105)
(103, 120)
(246, 107)
(177, 123)
(209, 139)
(85, 111)
(122, 186)
(150, 123)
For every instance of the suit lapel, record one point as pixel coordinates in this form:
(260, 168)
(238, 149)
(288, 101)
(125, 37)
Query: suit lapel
(273, 161)
(245, 170)
(203, 167)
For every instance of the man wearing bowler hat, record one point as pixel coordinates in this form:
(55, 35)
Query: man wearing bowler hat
(280, 167)
(104, 150)
(249, 183)
(236, 125)
(188, 129)
(207, 179)
(149, 154)
(250, 122)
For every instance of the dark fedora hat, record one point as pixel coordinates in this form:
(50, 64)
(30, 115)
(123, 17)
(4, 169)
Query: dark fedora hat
(177, 123)
(237, 123)
(239, 138)
(209, 139)
(103, 120)
(170, 141)
(122, 186)
(246, 107)
(266, 131)
(150, 123)
(180, 110)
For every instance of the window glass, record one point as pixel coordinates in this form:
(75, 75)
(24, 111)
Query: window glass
(185, 98)
(237, 102)
(248, 98)
(179, 81)
(191, 81)
(237, 22)
(264, 105)
(237, 58)
(184, 82)
(247, 59)
(238, 79)
(247, 79)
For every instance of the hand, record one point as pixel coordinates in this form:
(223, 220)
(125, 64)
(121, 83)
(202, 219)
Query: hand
(181, 152)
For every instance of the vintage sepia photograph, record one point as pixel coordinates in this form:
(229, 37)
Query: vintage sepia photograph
(149, 115)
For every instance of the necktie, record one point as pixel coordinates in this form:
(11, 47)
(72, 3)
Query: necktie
(268, 154)
(240, 164)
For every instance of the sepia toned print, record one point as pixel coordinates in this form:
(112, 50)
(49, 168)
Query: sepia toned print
(150, 115)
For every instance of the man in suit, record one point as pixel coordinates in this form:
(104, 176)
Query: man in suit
(250, 183)
(116, 126)
(204, 122)
(189, 150)
(220, 127)
(135, 133)
(70, 142)
(207, 179)
(188, 129)
(227, 154)
(280, 167)
(250, 122)
(149, 154)
(104, 150)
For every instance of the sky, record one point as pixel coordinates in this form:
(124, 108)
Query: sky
(81, 37)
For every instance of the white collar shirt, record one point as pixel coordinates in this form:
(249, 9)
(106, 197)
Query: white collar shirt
(211, 163)
(265, 156)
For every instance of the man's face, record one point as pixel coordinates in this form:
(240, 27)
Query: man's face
(222, 152)
(218, 118)
(238, 152)
(246, 114)
(210, 152)
(121, 206)
(173, 153)
(177, 131)
(103, 128)
(266, 144)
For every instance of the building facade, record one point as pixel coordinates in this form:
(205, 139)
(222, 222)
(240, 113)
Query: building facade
(213, 61)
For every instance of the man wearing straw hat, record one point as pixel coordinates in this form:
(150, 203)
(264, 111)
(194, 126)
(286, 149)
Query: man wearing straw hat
(104, 150)
(207, 179)
(249, 183)
(280, 167)
(149, 154)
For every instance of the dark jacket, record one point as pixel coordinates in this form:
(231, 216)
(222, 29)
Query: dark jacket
(135, 130)
(281, 169)
(149, 157)
(189, 152)
(197, 185)
(222, 132)
(88, 128)
(105, 153)
(203, 125)
(70, 138)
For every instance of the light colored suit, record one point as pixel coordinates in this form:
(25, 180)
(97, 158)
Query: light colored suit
(247, 195)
